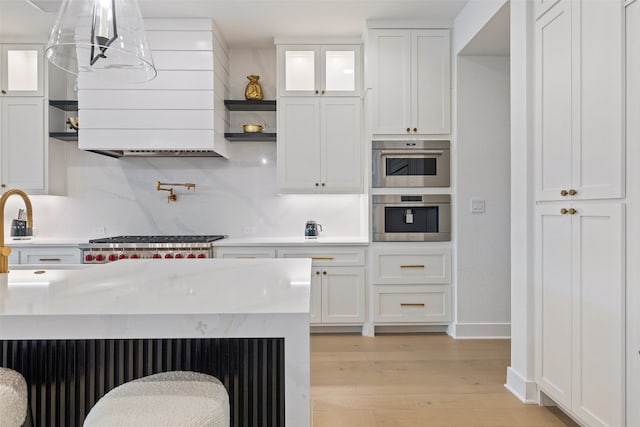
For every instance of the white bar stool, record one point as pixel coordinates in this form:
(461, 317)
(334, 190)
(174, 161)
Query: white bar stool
(177, 398)
(13, 398)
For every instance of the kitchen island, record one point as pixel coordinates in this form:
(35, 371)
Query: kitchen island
(245, 320)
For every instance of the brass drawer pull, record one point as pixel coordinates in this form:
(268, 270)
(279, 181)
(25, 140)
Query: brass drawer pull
(322, 258)
(50, 259)
(572, 192)
(412, 266)
(411, 304)
(572, 211)
(564, 211)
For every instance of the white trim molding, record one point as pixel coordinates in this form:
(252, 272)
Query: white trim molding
(480, 330)
(522, 388)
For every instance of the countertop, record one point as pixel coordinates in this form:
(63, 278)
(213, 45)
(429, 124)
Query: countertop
(44, 242)
(132, 287)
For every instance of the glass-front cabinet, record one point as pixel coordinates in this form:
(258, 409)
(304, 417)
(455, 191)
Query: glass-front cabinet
(310, 70)
(21, 70)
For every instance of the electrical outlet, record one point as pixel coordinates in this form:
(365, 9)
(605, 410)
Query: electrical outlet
(100, 231)
(249, 229)
(477, 206)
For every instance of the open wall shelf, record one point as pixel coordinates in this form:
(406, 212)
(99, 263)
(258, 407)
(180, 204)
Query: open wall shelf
(245, 105)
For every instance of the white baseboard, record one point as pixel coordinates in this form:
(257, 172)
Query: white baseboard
(480, 330)
(523, 389)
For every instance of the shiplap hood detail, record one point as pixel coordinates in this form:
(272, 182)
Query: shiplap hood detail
(179, 113)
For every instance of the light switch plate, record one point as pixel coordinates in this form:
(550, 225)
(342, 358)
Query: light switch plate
(477, 206)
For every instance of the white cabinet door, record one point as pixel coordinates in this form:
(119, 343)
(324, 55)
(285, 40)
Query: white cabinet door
(22, 70)
(315, 303)
(598, 314)
(554, 303)
(341, 145)
(579, 101)
(298, 144)
(340, 70)
(343, 295)
(22, 146)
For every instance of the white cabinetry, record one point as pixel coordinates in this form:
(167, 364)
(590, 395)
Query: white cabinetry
(245, 253)
(580, 309)
(579, 101)
(410, 285)
(45, 255)
(319, 145)
(21, 70)
(409, 74)
(337, 283)
(308, 70)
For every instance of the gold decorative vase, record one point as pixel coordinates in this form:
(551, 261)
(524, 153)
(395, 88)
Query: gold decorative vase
(253, 91)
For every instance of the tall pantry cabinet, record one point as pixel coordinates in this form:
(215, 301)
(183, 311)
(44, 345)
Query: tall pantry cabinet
(579, 138)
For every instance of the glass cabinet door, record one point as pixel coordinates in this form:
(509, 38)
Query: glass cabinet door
(341, 70)
(22, 70)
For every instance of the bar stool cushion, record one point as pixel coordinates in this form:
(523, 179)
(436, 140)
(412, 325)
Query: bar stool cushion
(177, 398)
(13, 398)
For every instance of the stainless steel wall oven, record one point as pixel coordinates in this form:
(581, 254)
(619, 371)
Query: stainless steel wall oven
(407, 218)
(411, 164)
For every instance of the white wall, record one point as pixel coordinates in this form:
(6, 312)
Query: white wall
(483, 169)
(471, 19)
(235, 197)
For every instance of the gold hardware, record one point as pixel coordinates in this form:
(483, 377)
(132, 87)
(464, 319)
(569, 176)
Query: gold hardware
(253, 91)
(412, 266)
(172, 197)
(564, 193)
(317, 185)
(323, 184)
(6, 251)
(572, 192)
(3, 185)
(4, 92)
(415, 129)
(408, 129)
(50, 259)
(322, 91)
(324, 272)
(572, 211)
(317, 273)
(564, 211)
(407, 304)
(73, 123)
(316, 92)
(322, 258)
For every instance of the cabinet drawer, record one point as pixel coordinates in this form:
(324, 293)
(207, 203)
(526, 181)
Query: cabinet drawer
(329, 256)
(248, 252)
(394, 266)
(50, 256)
(412, 304)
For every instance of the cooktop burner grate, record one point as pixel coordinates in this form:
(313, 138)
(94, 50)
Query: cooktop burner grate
(159, 239)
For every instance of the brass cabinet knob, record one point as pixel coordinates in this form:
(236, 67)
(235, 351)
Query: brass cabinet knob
(408, 129)
(323, 184)
(317, 273)
(324, 273)
(316, 92)
(572, 192)
(4, 92)
(317, 184)
(415, 129)
(572, 211)
(564, 211)
(322, 91)
(564, 193)
(3, 185)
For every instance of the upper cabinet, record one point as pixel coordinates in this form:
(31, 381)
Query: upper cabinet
(409, 74)
(579, 101)
(21, 70)
(310, 70)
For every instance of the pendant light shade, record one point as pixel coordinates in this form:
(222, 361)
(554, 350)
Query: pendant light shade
(103, 37)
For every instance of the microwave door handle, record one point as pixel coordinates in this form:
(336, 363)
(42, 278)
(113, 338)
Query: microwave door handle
(410, 153)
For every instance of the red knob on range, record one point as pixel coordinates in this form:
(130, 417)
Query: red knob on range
(134, 256)
(168, 256)
(123, 256)
(99, 257)
(112, 257)
(88, 257)
(179, 256)
(155, 256)
(202, 256)
(191, 256)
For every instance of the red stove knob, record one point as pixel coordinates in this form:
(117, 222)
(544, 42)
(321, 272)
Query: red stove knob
(88, 257)
(155, 256)
(112, 257)
(191, 256)
(168, 256)
(99, 257)
(179, 256)
(123, 256)
(202, 256)
(134, 256)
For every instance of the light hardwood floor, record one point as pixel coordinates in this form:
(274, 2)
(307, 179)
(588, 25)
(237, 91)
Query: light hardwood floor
(416, 380)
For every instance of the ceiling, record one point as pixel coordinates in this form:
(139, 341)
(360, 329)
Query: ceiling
(245, 23)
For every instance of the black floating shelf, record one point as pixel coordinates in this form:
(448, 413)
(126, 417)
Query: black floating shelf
(243, 105)
(64, 136)
(65, 105)
(250, 136)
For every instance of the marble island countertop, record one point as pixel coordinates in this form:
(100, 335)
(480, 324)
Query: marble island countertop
(150, 287)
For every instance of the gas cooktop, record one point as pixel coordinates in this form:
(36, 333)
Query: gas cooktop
(159, 239)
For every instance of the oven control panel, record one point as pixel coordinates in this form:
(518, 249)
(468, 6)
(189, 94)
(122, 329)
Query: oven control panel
(102, 256)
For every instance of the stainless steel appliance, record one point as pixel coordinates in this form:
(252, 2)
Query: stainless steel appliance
(408, 218)
(100, 251)
(411, 164)
(312, 230)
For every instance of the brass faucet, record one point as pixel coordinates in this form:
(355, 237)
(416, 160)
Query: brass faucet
(5, 250)
(172, 197)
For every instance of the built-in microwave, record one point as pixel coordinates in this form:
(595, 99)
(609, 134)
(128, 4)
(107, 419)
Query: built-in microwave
(411, 164)
(409, 218)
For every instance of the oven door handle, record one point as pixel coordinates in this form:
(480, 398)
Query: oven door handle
(411, 153)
